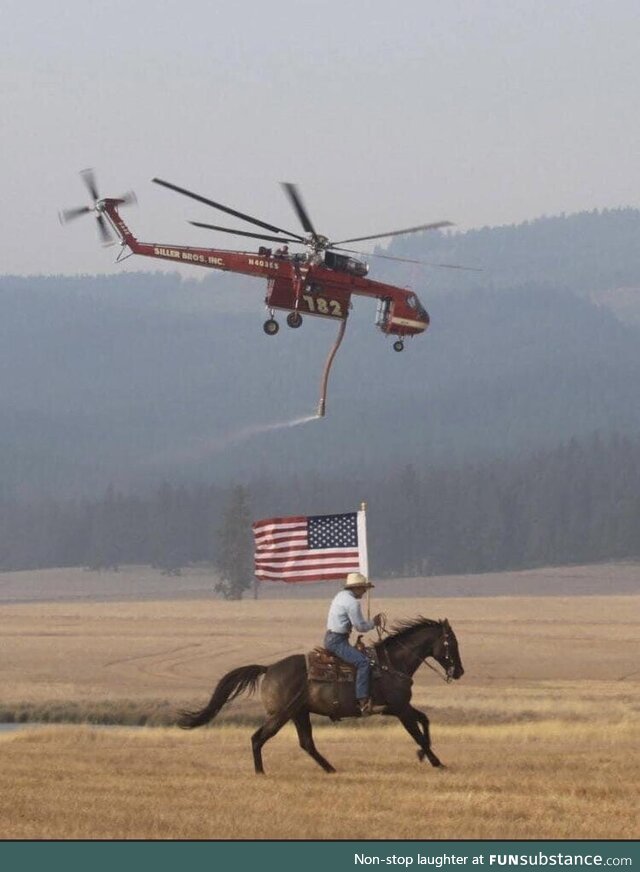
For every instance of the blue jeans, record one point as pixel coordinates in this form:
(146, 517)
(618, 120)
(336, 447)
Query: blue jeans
(339, 645)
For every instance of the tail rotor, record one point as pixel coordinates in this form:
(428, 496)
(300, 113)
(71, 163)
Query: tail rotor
(104, 230)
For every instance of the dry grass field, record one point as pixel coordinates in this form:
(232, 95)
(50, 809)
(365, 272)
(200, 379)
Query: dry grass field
(549, 779)
(540, 736)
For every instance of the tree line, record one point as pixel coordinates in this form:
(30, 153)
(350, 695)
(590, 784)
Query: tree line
(584, 252)
(107, 380)
(576, 503)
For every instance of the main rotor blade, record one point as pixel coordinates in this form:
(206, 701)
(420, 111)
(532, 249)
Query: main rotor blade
(298, 205)
(436, 226)
(106, 236)
(89, 178)
(410, 260)
(70, 214)
(226, 209)
(242, 232)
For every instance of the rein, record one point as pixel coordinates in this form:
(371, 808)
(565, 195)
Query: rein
(382, 629)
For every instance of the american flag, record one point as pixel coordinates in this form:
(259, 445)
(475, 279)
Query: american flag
(313, 548)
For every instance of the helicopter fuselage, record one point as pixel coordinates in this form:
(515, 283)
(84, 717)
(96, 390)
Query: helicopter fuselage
(319, 284)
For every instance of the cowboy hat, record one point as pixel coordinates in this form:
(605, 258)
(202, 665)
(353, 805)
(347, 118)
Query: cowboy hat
(357, 579)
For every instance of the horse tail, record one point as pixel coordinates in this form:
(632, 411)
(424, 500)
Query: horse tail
(245, 678)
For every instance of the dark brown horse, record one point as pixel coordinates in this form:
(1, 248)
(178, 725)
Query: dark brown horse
(287, 694)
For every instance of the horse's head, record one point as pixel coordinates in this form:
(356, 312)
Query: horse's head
(410, 643)
(446, 652)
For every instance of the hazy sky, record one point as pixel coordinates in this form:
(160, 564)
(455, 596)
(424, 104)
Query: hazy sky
(386, 114)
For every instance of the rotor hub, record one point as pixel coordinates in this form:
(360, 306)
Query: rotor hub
(317, 241)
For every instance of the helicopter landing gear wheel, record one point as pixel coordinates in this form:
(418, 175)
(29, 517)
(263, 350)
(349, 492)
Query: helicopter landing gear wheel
(271, 327)
(294, 319)
(398, 345)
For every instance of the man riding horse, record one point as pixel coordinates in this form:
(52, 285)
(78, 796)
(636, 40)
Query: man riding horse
(345, 614)
(288, 694)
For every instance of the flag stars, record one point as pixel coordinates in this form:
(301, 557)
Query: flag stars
(333, 531)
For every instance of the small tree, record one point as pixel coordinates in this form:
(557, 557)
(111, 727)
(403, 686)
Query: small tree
(234, 554)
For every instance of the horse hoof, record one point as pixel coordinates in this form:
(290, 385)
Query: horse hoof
(421, 755)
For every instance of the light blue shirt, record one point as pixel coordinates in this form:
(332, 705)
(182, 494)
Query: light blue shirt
(345, 614)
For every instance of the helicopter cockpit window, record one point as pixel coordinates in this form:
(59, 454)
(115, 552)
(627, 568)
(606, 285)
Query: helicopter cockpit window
(412, 301)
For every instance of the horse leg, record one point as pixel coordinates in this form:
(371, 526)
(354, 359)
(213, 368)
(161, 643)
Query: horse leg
(423, 720)
(305, 736)
(267, 731)
(410, 718)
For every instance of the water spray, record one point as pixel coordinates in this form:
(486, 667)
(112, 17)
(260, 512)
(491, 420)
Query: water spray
(205, 447)
(258, 429)
(253, 430)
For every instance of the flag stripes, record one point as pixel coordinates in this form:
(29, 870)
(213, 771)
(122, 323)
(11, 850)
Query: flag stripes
(306, 549)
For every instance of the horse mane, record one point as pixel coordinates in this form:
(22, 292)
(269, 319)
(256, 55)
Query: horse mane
(402, 629)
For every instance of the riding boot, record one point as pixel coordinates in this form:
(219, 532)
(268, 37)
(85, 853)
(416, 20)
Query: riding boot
(365, 707)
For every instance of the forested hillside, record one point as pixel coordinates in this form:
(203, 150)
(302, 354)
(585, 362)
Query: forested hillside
(578, 503)
(134, 380)
(102, 383)
(586, 252)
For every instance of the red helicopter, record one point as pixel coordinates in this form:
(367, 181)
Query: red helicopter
(319, 281)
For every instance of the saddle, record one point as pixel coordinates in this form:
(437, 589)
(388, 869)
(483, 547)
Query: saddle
(322, 665)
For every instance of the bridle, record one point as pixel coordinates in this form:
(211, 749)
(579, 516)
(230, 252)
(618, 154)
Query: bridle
(446, 644)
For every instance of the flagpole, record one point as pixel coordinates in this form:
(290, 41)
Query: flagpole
(364, 554)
